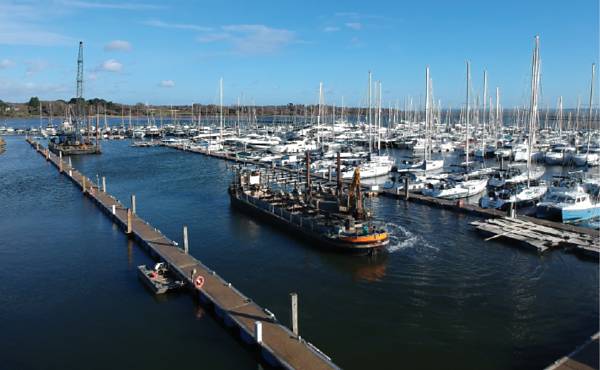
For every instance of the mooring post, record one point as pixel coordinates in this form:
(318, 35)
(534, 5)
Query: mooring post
(511, 210)
(103, 184)
(258, 331)
(185, 240)
(133, 207)
(47, 154)
(294, 313)
(60, 165)
(60, 155)
(114, 209)
(70, 164)
(128, 220)
(83, 183)
(406, 192)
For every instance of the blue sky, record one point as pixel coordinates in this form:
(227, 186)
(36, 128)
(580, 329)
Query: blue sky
(277, 52)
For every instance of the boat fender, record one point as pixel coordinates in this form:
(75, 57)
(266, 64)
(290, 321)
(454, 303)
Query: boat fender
(199, 281)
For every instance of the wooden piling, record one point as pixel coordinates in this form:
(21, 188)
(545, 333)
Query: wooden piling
(185, 240)
(103, 184)
(258, 332)
(294, 313)
(83, 183)
(129, 221)
(406, 191)
(133, 206)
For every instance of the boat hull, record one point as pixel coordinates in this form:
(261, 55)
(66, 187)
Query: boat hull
(304, 229)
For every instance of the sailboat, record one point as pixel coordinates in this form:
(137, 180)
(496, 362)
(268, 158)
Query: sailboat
(591, 156)
(450, 188)
(377, 164)
(526, 195)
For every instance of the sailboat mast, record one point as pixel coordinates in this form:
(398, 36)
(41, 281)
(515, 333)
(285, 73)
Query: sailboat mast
(560, 115)
(221, 109)
(589, 133)
(535, 76)
(319, 113)
(369, 118)
(497, 119)
(379, 120)
(484, 110)
(467, 114)
(426, 149)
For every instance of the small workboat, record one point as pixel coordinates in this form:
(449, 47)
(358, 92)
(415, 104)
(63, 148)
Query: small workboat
(159, 279)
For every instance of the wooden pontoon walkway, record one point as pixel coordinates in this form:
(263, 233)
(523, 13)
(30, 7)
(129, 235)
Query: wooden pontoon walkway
(585, 357)
(279, 346)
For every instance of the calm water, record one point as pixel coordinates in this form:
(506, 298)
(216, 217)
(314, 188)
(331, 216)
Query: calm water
(440, 298)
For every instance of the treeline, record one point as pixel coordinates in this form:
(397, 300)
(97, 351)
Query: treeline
(94, 106)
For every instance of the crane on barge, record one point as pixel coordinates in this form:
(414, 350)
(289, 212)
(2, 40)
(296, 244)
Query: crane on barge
(69, 140)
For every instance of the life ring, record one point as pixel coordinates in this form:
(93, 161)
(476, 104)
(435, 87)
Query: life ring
(199, 281)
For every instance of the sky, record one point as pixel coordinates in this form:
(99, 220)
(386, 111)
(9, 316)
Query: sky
(277, 52)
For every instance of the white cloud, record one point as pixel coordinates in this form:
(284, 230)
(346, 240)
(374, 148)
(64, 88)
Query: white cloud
(117, 45)
(354, 25)
(110, 5)
(242, 38)
(181, 26)
(35, 66)
(6, 63)
(331, 29)
(167, 83)
(212, 37)
(356, 16)
(257, 38)
(110, 65)
(19, 90)
(24, 24)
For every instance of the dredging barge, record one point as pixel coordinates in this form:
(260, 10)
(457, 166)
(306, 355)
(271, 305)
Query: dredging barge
(333, 218)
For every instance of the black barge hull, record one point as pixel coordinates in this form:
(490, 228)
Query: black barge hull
(303, 231)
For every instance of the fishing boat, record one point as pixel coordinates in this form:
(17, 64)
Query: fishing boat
(568, 206)
(338, 222)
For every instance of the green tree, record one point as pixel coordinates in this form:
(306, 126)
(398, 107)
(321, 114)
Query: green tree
(34, 102)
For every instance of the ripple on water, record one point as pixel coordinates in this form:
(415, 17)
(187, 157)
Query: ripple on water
(402, 238)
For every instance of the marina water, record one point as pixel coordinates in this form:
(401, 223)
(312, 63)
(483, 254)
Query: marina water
(440, 297)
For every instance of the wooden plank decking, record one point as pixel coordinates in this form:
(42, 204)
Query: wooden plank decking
(538, 236)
